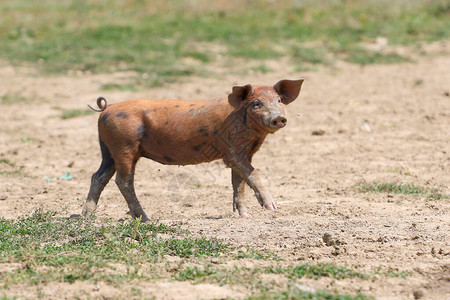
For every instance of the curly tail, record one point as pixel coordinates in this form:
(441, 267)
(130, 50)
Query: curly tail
(101, 106)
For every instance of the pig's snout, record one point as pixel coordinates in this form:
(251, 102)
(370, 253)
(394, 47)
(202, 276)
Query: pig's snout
(278, 122)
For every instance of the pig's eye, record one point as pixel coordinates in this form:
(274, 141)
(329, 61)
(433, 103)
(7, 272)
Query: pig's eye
(256, 104)
(279, 100)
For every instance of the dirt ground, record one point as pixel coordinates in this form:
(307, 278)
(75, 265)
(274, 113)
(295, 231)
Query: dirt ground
(384, 123)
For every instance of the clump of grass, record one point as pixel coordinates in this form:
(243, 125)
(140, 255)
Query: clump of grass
(399, 274)
(58, 249)
(316, 271)
(243, 276)
(13, 99)
(299, 294)
(401, 188)
(19, 172)
(391, 187)
(73, 113)
(195, 273)
(4, 160)
(252, 254)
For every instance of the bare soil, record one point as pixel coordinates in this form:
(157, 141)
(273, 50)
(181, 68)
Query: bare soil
(384, 123)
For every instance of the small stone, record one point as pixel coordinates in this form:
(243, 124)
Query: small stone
(304, 288)
(318, 132)
(327, 239)
(418, 294)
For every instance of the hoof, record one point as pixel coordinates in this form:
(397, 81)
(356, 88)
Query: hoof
(244, 215)
(270, 206)
(89, 207)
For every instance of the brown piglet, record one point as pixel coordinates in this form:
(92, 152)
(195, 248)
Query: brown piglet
(182, 132)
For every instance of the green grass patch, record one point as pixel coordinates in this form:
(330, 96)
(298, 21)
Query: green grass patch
(4, 160)
(252, 276)
(262, 69)
(119, 87)
(249, 277)
(59, 249)
(316, 271)
(399, 274)
(15, 173)
(9, 99)
(365, 57)
(252, 254)
(73, 113)
(401, 188)
(293, 294)
(111, 36)
(391, 187)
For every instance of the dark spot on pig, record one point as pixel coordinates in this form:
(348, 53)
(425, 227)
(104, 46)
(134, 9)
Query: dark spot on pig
(177, 105)
(122, 115)
(215, 132)
(196, 148)
(147, 111)
(168, 158)
(105, 117)
(141, 131)
(154, 110)
(191, 105)
(167, 122)
(165, 107)
(191, 110)
(204, 131)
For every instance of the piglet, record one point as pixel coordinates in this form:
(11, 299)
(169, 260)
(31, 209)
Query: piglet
(185, 132)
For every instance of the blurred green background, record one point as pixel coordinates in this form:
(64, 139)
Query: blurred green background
(156, 38)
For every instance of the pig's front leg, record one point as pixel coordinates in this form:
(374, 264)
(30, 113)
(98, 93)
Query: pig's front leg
(238, 194)
(246, 171)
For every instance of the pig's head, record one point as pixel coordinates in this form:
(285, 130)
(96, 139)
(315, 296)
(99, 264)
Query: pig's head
(263, 106)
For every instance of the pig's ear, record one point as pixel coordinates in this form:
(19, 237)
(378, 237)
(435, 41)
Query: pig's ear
(288, 89)
(239, 94)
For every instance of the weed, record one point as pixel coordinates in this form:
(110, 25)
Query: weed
(252, 254)
(241, 276)
(316, 271)
(400, 274)
(435, 195)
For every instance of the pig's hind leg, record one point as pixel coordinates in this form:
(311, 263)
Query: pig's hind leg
(99, 179)
(125, 165)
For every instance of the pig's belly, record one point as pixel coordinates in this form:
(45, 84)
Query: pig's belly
(180, 152)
